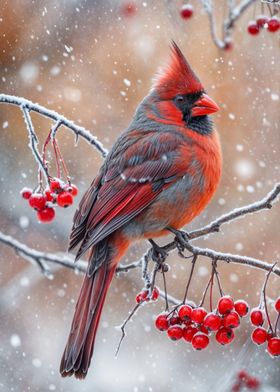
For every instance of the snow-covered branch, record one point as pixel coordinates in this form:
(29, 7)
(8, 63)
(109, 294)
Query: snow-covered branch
(58, 118)
(234, 13)
(67, 261)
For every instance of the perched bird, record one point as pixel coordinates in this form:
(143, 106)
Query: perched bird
(161, 172)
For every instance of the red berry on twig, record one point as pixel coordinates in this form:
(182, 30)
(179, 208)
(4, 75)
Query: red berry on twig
(188, 333)
(175, 332)
(252, 383)
(185, 312)
(225, 336)
(273, 347)
(259, 336)
(253, 28)
(200, 341)
(257, 317)
(261, 20)
(64, 199)
(186, 11)
(73, 189)
(37, 201)
(231, 320)
(241, 307)
(26, 193)
(273, 24)
(212, 321)
(155, 294)
(46, 215)
(161, 322)
(225, 304)
(50, 196)
(198, 315)
(56, 185)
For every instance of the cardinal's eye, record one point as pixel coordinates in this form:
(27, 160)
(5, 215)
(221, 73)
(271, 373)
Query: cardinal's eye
(179, 99)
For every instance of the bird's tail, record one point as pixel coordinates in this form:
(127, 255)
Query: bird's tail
(79, 348)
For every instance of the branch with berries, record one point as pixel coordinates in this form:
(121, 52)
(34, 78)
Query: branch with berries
(267, 19)
(181, 317)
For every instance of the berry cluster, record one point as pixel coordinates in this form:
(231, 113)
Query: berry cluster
(43, 200)
(261, 335)
(245, 380)
(186, 11)
(263, 22)
(195, 324)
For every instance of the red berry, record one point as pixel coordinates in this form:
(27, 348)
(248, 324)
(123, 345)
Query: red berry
(259, 335)
(186, 11)
(273, 347)
(185, 312)
(56, 185)
(26, 193)
(200, 341)
(161, 322)
(50, 196)
(236, 387)
(257, 317)
(155, 294)
(175, 320)
(273, 24)
(140, 297)
(243, 375)
(261, 20)
(189, 332)
(64, 199)
(128, 9)
(225, 336)
(228, 45)
(241, 307)
(225, 304)
(37, 201)
(277, 305)
(253, 28)
(46, 215)
(175, 332)
(73, 189)
(252, 383)
(212, 321)
(231, 320)
(198, 315)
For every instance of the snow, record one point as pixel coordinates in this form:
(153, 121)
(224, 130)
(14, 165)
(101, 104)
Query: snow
(15, 340)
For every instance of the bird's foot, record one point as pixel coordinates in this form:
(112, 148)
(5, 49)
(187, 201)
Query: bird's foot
(158, 254)
(181, 239)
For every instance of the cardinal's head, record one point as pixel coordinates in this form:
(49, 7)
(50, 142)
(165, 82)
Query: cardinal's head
(178, 97)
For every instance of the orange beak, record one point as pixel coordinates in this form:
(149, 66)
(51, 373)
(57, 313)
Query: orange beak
(204, 105)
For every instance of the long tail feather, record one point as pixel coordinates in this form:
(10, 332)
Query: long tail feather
(79, 348)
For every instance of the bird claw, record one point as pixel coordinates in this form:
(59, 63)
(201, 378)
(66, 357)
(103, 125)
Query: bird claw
(158, 254)
(181, 240)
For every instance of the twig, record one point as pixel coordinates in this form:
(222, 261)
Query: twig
(33, 142)
(122, 327)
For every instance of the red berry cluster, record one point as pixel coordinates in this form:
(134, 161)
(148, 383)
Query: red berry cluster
(261, 335)
(143, 296)
(43, 201)
(245, 380)
(186, 11)
(263, 22)
(195, 324)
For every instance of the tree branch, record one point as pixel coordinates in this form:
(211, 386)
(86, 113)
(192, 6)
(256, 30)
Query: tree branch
(51, 114)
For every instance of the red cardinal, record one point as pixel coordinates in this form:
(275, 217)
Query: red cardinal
(161, 172)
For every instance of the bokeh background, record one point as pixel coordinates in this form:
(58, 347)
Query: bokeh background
(93, 62)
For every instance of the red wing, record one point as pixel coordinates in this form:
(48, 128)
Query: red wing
(127, 190)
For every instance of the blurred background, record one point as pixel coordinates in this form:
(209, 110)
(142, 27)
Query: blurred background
(93, 61)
